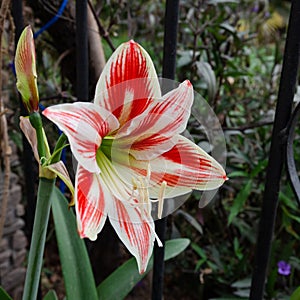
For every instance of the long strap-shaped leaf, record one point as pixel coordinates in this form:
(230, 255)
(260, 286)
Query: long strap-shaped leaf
(76, 267)
(35, 259)
(51, 295)
(4, 295)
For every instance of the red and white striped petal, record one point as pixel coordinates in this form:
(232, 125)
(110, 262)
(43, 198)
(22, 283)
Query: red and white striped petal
(128, 82)
(91, 203)
(128, 216)
(185, 167)
(84, 124)
(135, 229)
(155, 131)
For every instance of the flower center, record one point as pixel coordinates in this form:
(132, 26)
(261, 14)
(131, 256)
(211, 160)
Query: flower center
(135, 193)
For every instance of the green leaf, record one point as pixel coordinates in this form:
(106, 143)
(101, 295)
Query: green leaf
(288, 201)
(296, 294)
(199, 251)
(243, 283)
(239, 201)
(4, 295)
(76, 267)
(259, 168)
(205, 71)
(238, 174)
(51, 295)
(237, 248)
(123, 279)
(35, 257)
(287, 213)
(242, 293)
(185, 58)
(191, 220)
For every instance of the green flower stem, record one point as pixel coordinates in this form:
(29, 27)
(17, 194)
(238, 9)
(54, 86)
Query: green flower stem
(35, 259)
(36, 122)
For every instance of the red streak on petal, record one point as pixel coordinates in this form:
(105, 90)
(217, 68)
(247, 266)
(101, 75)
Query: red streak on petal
(138, 233)
(130, 64)
(149, 142)
(90, 210)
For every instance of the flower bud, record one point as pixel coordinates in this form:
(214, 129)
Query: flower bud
(26, 70)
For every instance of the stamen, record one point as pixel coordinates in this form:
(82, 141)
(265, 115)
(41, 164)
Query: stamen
(161, 199)
(148, 172)
(134, 184)
(140, 185)
(144, 194)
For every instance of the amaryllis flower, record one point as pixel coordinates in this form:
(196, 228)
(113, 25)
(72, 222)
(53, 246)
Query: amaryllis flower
(130, 152)
(26, 70)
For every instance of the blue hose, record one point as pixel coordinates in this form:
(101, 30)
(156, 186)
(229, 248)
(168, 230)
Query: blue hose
(53, 20)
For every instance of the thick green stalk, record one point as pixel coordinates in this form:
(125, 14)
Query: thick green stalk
(35, 259)
(36, 122)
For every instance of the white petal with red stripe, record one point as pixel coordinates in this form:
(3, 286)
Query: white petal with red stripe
(155, 131)
(128, 215)
(91, 203)
(84, 124)
(128, 82)
(135, 229)
(185, 167)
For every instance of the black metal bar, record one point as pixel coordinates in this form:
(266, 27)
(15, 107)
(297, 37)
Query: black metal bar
(170, 40)
(290, 159)
(276, 159)
(169, 66)
(82, 62)
(17, 13)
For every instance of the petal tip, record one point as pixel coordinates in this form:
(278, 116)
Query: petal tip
(91, 236)
(142, 271)
(187, 83)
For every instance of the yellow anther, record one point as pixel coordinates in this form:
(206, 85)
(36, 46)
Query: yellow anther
(134, 184)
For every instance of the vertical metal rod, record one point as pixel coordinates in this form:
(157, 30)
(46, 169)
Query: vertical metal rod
(170, 39)
(17, 13)
(169, 64)
(276, 158)
(82, 63)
